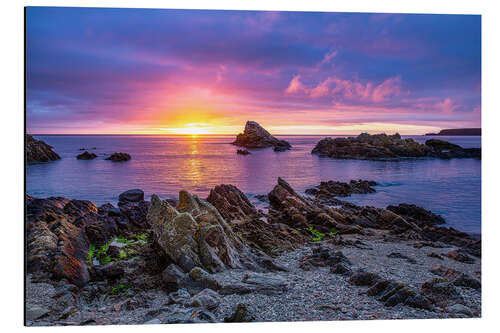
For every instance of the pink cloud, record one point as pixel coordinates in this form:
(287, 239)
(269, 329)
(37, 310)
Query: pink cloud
(339, 89)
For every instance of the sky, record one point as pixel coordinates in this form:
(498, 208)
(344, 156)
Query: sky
(158, 71)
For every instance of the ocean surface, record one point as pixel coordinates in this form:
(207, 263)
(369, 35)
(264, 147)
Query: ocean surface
(166, 164)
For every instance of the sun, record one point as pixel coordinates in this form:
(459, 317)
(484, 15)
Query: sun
(192, 129)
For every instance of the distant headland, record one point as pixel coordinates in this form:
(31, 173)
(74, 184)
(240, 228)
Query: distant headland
(459, 131)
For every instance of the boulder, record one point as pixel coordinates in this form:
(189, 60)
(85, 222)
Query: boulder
(416, 214)
(134, 195)
(39, 151)
(255, 136)
(195, 234)
(119, 157)
(86, 156)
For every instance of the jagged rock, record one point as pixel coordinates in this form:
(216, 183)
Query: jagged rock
(119, 157)
(383, 147)
(458, 279)
(86, 156)
(39, 151)
(231, 203)
(56, 243)
(245, 220)
(195, 234)
(255, 136)
(134, 195)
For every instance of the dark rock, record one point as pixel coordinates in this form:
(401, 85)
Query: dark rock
(340, 268)
(134, 195)
(207, 298)
(255, 136)
(119, 157)
(323, 256)
(458, 132)
(389, 147)
(240, 315)
(441, 292)
(110, 271)
(398, 255)
(460, 255)
(460, 309)
(86, 156)
(416, 214)
(243, 152)
(173, 278)
(362, 278)
(39, 151)
(203, 279)
(339, 189)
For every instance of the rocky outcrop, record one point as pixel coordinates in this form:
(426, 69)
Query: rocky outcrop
(86, 156)
(57, 246)
(134, 195)
(39, 151)
(255, 136)
(119, 157)
(195, 234)
(340, 189)
(247, 222)
(389, 147)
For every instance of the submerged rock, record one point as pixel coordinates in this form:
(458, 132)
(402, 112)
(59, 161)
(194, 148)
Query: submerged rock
(383, 146)
(340, 189)
(86, 156)
(242, 152)
(255, 136)
(39, 151)
(119, 157)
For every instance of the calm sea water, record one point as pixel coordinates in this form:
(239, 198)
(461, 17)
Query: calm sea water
(166, 164)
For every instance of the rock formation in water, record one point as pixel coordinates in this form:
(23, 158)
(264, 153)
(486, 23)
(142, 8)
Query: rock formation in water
(255, 136)
(119, 157)
(39, 151)
(389, 147)
(86, 156)
(459, 132)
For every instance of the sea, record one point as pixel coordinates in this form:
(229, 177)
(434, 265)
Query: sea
(163, 165)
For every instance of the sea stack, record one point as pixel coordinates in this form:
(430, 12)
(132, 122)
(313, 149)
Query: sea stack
(255, 136)
(39, 151)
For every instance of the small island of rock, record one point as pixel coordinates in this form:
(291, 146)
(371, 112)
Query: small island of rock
(86, 156)
(255, 136)
(39, 151)
(458, 132)
(389, 147)
(119, 157)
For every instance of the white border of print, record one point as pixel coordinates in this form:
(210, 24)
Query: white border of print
(12, 88)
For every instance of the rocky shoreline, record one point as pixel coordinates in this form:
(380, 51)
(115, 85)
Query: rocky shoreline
(311, 257)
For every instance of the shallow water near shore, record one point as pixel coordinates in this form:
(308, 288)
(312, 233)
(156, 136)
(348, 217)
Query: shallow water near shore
(166, 164)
